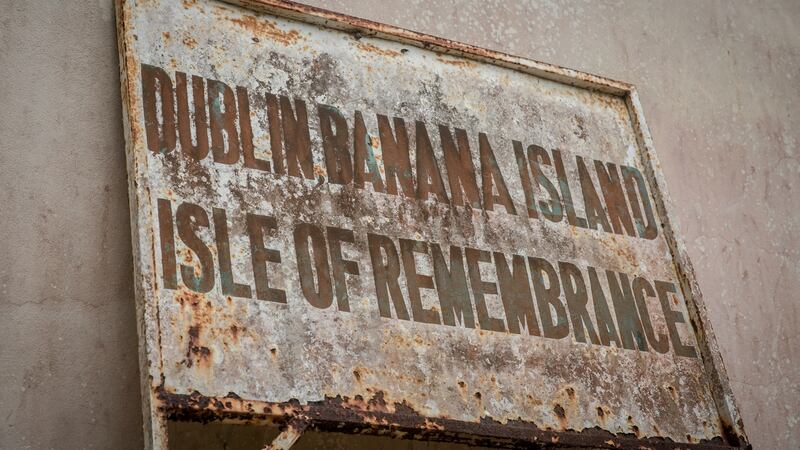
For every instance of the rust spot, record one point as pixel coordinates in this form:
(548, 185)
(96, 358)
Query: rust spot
(571, 393)
(189, 42)
(165, 34)
(730, 434)
(188, 298)
(533, 400)
(187, 256)
(580, 127)
(196, 353)
(432, 425)
(456, 62)
(235, 332)
(263, 27)
(320, 171)
(672, 393)
(377, 50)
(374, 142)
(561, 414)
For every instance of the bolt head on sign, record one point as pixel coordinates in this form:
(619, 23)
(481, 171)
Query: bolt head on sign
(330, 213)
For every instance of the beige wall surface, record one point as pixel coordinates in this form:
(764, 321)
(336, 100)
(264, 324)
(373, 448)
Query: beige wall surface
(720, 86)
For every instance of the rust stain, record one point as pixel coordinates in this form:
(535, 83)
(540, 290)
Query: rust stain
(196, 353)
(320, 171)
(235, 331)
(558, 410)
(190, 42)
(465, 63)
(375, 416)
(367, 47)
(399, 377)
(267, 28)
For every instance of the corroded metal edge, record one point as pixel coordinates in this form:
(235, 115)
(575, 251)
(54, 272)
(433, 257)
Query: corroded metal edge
(289, 435)
(364, 27)
(376, 417)
(331, 414)
(730, 419)
(150, 370)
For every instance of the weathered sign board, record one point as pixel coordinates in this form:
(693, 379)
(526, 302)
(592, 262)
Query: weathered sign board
(345, 225)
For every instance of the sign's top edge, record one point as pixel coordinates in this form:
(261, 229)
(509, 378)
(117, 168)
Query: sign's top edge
(344, 22)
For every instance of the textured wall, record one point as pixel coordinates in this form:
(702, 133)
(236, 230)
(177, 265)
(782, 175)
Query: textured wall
(68, 353)
(718, 81)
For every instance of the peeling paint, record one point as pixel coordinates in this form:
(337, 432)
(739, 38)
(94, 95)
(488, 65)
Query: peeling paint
(227, 305)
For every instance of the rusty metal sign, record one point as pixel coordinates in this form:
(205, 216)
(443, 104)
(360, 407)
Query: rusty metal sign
(343, 225)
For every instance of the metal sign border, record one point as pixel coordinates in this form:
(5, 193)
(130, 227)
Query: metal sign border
(160, 406)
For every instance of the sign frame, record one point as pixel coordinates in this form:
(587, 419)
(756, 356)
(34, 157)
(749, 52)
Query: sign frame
(159, 406)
